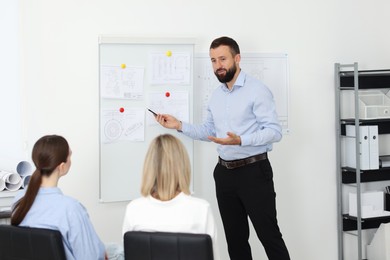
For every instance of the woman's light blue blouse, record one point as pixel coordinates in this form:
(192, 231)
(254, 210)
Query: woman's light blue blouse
(53, 210)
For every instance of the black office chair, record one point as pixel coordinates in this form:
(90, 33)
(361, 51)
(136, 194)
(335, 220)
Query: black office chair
(23, 243)
(167, 246)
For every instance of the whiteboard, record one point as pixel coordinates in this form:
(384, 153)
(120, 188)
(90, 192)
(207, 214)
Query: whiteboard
(136, 74)
(270, 68)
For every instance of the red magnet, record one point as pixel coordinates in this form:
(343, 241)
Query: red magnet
(121, 110)
(167, 94)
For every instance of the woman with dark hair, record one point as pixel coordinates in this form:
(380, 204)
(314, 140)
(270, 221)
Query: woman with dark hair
(43, 205)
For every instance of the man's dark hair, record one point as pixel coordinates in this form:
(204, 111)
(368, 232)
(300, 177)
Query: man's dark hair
(224, 40)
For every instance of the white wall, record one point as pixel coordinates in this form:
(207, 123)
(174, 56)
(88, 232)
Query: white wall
(10, 104)
(60, 92)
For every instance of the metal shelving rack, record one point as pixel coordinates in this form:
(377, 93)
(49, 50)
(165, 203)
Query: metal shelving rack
(355, 80)
(338, 69)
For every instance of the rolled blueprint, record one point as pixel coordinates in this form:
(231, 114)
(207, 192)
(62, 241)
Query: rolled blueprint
(24, 168)
(25, 180)
(2, 184)
(14, 165)
(13, 181)
(15, 174)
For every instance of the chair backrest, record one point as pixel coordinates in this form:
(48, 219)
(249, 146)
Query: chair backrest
(24, 243)
(167, 246)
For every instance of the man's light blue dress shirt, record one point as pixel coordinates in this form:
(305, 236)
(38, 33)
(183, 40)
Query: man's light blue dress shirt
(247, 110)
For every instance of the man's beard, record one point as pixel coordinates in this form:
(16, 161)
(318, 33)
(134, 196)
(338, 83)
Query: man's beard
(229, 75)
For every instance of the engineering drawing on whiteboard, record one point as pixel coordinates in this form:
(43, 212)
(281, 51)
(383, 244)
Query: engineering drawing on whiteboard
(271, 69)
(126, 124)
(121, 82)
(170, 68)
(175, 103)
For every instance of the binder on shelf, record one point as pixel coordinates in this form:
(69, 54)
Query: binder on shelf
(368, 144)
(350, 151)
(374, 146)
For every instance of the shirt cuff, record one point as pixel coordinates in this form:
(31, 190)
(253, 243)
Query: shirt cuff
(245, 140)
(184, 127)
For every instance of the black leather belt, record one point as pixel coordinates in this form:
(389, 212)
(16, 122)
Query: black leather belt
(241, 162)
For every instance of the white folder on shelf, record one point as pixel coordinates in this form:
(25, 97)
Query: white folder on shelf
(368, 145)
(364, 147)
(374, 146)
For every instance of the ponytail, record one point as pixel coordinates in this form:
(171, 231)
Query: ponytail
(23, 205)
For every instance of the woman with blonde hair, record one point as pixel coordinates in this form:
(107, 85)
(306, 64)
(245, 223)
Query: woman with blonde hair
(166, 204)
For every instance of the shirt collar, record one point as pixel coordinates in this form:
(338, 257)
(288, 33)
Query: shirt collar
(239, 82)
(51, 190)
